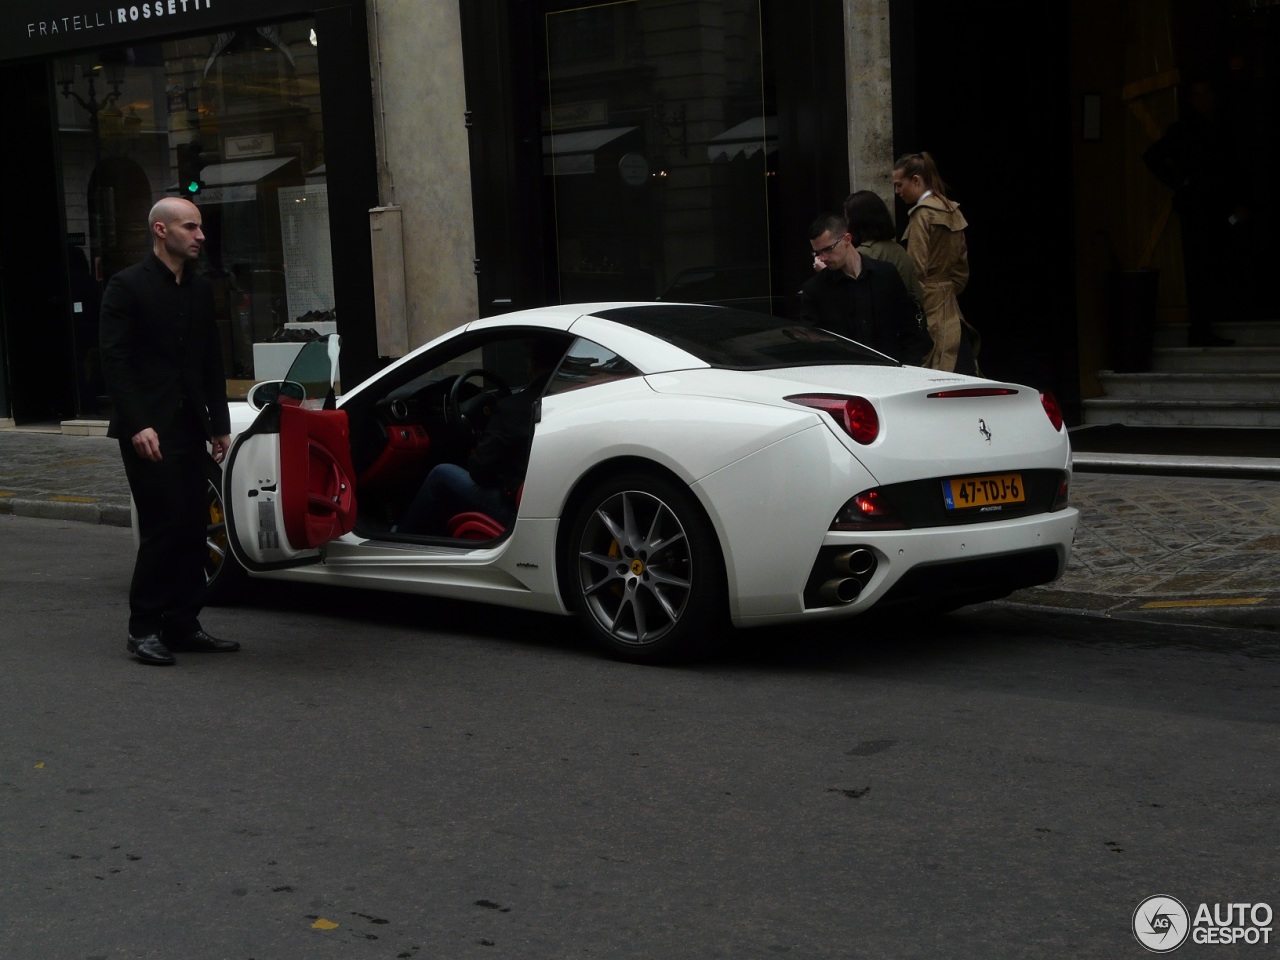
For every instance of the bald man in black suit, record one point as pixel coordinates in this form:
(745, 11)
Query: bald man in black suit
(162, 361)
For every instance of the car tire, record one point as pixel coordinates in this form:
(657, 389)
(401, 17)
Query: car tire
(223, 575)
(644, 570)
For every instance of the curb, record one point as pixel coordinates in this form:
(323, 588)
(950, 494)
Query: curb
(81, 510)
(1218, 611)
(1245, 468)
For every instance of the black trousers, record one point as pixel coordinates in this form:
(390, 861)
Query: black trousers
(1213, 268)
(166, 593)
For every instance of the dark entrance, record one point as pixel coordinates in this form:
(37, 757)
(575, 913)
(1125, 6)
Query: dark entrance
(37, 380)
(996, 116)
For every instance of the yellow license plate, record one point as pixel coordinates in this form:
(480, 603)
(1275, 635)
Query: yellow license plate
(964, 493)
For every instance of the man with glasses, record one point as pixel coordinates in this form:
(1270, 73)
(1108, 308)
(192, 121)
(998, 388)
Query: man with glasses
(858, 297)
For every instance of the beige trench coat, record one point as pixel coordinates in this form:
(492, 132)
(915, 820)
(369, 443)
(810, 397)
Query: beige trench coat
(936, 244)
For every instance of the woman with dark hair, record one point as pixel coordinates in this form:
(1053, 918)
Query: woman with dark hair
(871, 227)
(936, 244)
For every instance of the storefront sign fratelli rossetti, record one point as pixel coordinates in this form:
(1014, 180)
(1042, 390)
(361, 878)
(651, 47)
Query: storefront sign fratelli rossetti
(35, 28)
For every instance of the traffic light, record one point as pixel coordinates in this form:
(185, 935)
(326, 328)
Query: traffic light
(189, 168)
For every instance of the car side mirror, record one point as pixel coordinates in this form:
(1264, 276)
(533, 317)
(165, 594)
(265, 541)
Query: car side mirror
(272, 391)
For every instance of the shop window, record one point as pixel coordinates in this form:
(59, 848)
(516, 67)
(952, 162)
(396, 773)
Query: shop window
(658, 151)
(232, 121)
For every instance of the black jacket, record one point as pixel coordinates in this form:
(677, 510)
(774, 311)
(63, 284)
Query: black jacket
(154, 358)
(501, 457)
(874, 309)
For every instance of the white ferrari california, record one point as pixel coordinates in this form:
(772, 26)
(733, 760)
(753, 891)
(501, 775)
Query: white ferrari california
(691, 467)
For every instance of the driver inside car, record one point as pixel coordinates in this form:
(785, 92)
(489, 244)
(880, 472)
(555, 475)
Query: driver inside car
(494, 471)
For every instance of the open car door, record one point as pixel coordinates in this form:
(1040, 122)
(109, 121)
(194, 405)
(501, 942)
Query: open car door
(288, 483)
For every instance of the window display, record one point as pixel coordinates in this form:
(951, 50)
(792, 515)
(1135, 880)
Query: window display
(229, 120)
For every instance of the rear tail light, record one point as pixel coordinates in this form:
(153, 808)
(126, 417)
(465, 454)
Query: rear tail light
(1052, 409)
(1062, 497)
(869, 510)
(855, 415)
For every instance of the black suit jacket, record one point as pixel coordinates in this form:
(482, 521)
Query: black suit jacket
(829, 300)
(151, 360)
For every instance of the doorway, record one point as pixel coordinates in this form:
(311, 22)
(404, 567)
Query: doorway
(36, 385)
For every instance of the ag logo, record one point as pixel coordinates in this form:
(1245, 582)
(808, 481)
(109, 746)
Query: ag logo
(1161, 924)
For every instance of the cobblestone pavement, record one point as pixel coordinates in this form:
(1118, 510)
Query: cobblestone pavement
(61, 477)
(1155, 546)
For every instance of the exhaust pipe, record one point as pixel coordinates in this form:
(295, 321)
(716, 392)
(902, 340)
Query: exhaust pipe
(858, 562)
(841, 590)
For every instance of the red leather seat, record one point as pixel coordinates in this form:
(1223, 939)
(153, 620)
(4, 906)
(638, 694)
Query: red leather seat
(474, 525)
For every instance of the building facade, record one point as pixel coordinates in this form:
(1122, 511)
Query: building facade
(393, 168)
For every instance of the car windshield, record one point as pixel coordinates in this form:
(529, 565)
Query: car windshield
(741, 340)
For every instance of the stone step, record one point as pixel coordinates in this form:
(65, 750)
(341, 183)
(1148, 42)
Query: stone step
(1245, 333)
(1164, 412)
(1191, 386)
(1236, 386)
(84, 428)
(1230, 360)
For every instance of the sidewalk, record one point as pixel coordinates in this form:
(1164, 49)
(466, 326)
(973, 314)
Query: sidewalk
(60, 477)
(1160, 538)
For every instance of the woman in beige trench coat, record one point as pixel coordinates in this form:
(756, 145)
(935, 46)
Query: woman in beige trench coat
(936, 244)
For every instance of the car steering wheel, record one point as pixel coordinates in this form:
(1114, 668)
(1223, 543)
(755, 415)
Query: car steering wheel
(473, 413)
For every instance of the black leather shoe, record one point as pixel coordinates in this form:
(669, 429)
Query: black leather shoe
(201, 642)
(1209, 340)
(150, 649)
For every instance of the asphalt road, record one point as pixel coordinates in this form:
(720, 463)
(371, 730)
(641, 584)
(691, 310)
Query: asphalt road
(388, 777)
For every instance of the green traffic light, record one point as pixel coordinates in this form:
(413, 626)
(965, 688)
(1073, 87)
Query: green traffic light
(193, 187)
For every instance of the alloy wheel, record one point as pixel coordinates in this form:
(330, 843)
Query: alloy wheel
(215, 537)
(635, 567)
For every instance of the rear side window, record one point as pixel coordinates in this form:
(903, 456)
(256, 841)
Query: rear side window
(742, 340)
(587, 364)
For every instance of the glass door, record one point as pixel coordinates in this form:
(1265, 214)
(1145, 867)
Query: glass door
(659, 148)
